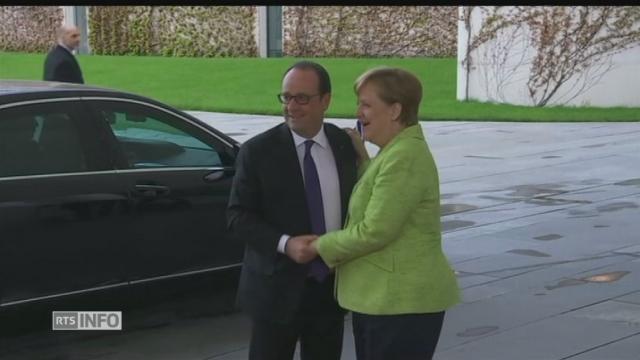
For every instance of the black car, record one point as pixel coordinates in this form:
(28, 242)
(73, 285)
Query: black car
(103, 190)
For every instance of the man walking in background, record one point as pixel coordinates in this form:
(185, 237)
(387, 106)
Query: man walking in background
(61, 64)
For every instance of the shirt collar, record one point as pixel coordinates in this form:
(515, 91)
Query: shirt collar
(320, 138)
(64, 46)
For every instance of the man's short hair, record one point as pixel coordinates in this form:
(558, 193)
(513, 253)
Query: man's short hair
(324, 83)
(63, 29)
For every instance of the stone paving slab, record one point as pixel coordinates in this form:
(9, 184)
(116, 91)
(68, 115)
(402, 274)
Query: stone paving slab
(633, 298)
(611, 311)
(608, 214)
(553, 338)
(539, 299)
(625, 348)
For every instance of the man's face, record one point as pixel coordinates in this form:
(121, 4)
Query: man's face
(302, 86)
(71, 38)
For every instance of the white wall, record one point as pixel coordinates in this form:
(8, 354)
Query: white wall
(500, 70)
(261, 31)
(69, 14)
(462, 53)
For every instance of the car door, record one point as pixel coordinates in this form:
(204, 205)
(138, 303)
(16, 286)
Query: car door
(60, 203)
(178, 176)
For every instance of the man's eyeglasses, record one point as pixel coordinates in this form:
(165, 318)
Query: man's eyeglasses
(301, 99)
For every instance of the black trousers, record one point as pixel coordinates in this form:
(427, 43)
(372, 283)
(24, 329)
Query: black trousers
(319, 325)
(387, 337)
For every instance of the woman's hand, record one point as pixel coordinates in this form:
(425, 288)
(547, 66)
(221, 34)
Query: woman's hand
(300, 250)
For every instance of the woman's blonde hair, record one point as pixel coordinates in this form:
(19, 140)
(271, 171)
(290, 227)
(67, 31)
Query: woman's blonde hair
(395, 85)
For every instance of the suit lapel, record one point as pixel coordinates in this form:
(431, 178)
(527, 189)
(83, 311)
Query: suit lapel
(341, 165)
(69, 55)
(292, 174)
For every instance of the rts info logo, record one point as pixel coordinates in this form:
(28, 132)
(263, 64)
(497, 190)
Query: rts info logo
(87, 320)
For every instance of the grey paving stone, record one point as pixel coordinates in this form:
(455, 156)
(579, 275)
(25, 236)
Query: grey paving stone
(461, 250)
(633, 298)
(512, 303)
(611, 311)
(474, 280)
(626, 348)
(553, 338)
(632, 250)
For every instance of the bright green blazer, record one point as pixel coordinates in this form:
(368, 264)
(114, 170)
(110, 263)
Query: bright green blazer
(388, 258)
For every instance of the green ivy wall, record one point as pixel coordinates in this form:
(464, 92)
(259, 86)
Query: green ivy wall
(29, 28)
(230, 31)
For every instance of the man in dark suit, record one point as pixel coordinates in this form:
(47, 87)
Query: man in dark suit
(61, 64)
(295, 178)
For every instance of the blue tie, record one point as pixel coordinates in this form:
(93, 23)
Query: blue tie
(319, 269)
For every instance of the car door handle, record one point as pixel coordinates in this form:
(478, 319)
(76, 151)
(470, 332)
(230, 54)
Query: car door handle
(215, 175)
(150, 191)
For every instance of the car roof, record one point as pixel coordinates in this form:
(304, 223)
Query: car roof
(19, 86)
(13, 91)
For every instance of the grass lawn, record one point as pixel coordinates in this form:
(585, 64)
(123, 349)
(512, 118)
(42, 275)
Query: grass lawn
(250, 85)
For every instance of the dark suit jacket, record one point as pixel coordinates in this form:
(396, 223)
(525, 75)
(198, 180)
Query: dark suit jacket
(61, 65)
(268, 200)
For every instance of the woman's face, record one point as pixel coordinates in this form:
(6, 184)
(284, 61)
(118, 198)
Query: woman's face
(379, 120)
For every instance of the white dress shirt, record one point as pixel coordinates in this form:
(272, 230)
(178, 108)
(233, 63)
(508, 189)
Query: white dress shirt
(329, 181)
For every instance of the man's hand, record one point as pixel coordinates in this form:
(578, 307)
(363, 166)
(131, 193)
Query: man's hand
(299, 248)
(358, 145)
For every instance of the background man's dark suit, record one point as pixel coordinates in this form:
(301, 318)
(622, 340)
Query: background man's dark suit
(268, 200)
(61, 65)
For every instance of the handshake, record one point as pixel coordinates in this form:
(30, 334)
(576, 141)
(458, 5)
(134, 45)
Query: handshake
(301, 249)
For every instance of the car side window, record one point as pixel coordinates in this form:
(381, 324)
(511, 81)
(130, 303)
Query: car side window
(40, 139)
(150, 138)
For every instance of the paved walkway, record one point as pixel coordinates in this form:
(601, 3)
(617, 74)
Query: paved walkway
(541, 223)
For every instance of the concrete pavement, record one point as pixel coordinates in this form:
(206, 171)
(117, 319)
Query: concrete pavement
(540, 221)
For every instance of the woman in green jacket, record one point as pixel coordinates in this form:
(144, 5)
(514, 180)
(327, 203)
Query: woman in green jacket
(391, 271)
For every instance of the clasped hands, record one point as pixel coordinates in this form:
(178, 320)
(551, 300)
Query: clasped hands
(302, 249)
